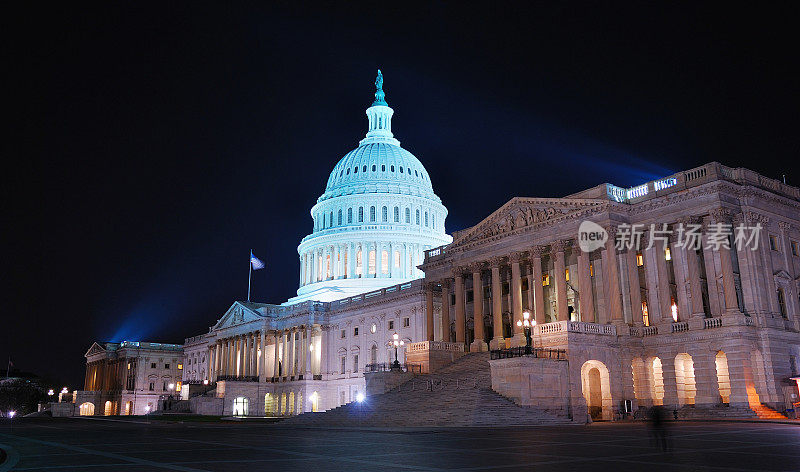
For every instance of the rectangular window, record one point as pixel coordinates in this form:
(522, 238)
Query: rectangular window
(152, 365)
(344, 365)
(591, 270)
(470, 296)
(795, 249)
(355, 363)
(355, 331)
(545, 280)
(773, 242)
(180, 366)
(391, 325)
(152, 386)
(782, 302)
(667, 254)
(505, 289)
(343, 334)
(406, 322)
(166, 366)
(639, 260)
(566, 274)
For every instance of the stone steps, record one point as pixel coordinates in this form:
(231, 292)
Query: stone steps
(457, 395)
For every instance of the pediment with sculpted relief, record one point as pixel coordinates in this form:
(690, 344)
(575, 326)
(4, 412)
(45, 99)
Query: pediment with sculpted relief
(237, 314)
(519, 213)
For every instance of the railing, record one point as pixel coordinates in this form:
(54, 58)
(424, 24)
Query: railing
(680, 326)
(375, 293)
(435, 253)
(388, 367)
(643, 331)
(523, 351)
(238, 378)
(575, 327)
(435, 346)
(709, 323)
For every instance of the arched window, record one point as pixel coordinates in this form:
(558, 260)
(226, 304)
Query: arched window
(360, 214)
(426, 218)
(417, 217)
(339, 218)
(240, 406)
(364, 169)
(373, 354)
(397, 214)
(383, 168)
(401, 169)
(397, 259)
(358, 263)
(384, 214)
(385, 262)
(348, 171)
(373, 167)
(349, 216)
(408, 215)
(355, 170)
(391, 168)
(372, 214)
(324, 219)
(330, 221)
(87, 409)
(372, 262)
(433, 220)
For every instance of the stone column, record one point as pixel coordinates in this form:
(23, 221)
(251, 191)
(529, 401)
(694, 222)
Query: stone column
(612, 272)
(276, 360)
(693, 278)
(461, 319)
(309, 353)
(586, 297)
(429, 326)
(262, 359)
(664, 293)
(516, 298)
(497, 304)
(723, 217)
(477, 308)
(446, 310)
(557, 253)
(633, 286)
(538, 291)
(670, 381)
(364, 260)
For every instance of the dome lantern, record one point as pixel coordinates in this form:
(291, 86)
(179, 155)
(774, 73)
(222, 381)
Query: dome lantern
(380, 117)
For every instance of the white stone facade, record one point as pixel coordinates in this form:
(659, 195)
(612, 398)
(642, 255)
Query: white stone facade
(129, 378)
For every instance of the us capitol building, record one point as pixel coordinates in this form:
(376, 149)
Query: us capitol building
(708, 331)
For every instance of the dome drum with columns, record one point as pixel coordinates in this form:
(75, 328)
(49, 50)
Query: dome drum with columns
(375, 220)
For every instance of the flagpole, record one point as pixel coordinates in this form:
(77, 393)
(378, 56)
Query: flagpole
(8, 368)
(249, 274)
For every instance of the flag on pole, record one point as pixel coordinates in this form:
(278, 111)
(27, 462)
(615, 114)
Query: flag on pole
(255, 262)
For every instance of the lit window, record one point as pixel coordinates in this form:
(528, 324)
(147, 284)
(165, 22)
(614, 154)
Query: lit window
(545, 280)
(567, 274)
(773, 242)
(397, 258)
(358, 262)
(180, 366)
(667, 254)
(373, 328)
(406, 322)
(372, 262)
(385, 262)
(591, 270)
(795, 249)
(674, 310)
(645, 314)
(639, 260)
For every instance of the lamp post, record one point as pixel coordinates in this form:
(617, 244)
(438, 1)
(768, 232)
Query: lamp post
(527, 323)
(397, 342)
(11, 416)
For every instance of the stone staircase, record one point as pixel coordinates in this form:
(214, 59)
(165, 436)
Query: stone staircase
(762, 411)
(457, 395)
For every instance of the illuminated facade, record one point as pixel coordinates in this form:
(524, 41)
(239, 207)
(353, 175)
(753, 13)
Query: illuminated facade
(377, 216)
(129, 378)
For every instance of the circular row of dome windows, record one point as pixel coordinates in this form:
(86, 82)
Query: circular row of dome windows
(383, 169)
(327, 220)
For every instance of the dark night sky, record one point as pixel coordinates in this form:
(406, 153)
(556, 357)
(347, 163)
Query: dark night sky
(153, 146)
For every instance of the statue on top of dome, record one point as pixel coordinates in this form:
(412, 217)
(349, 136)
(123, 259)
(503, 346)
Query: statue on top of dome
(380, 97)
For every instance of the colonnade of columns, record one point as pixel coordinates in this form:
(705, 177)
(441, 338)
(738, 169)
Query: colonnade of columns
(664, 284)
(361, 260)
(245, 355)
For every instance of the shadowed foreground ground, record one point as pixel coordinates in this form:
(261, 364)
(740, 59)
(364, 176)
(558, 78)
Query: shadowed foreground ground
(120, 446)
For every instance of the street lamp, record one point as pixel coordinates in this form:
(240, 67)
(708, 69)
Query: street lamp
(397, 342)
(527, 323)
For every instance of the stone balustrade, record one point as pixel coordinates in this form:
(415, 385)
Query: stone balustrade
(575, 327)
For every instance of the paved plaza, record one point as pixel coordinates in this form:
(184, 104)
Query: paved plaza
(106, 445)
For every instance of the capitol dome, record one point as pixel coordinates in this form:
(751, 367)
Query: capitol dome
(376, 217)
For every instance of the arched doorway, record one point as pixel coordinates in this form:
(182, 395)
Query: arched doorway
(723, 378)
(596, 388)
(108, 410)
(315, 402)
(655, 376)
(684, 379)
(269, 404)
(87, 409)
(241, 406)
(291, 403)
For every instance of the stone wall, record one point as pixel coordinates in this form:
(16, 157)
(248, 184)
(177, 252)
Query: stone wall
(539, 383)
(378, 383)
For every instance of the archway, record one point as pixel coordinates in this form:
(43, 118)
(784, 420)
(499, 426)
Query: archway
(283, 403)
(86, 409)
(291, 403)
(723, 378)
(315, 402)
(596, 388)
(655, 377)
(241, 406)
(108, 410)
(684, 378)
(269, 404)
